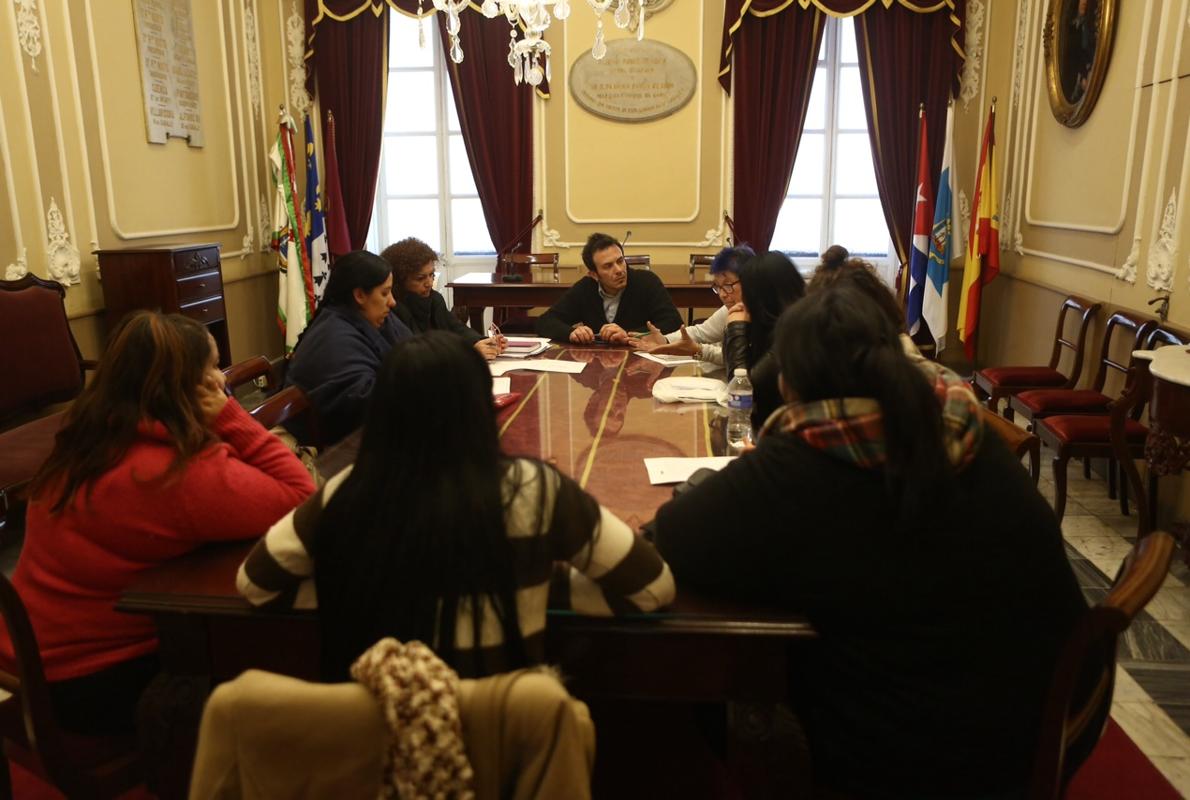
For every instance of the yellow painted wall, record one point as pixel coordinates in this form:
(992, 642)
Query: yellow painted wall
(72, 132)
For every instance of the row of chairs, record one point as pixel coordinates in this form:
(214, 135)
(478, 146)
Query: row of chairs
(523, 264)
(1076, 423)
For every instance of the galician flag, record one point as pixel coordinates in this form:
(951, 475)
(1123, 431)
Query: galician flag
(919, 255)
(943, 243)
(320, 260)
(295, 289)
(983, 242)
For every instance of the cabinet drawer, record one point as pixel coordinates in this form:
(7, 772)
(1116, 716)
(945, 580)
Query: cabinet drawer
(192, 262)
(206, 284)
(209, 309)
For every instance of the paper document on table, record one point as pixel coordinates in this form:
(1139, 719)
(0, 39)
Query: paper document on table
(523, 347)
(676, 470)
(669, 361)
(539, 364)
(501, 385)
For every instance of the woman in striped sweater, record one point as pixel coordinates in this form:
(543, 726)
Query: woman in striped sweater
(435, 535)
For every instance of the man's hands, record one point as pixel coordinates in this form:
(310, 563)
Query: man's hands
(613, 334)
(581, 334)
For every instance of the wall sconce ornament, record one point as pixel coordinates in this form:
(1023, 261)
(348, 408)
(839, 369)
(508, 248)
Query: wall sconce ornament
(1159, 274)
(63, 256)
(1078, 40)
(29, 30)
(17, 269)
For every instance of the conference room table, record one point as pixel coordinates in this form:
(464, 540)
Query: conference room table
(596, 426)
(475, 292)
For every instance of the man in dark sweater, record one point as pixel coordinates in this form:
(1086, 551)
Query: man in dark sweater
(610, 300)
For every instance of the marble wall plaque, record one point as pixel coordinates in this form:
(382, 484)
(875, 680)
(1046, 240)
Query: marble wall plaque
(169, 70)
(634, 82)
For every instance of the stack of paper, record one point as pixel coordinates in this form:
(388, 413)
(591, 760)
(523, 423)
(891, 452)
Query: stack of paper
(501, 386)
(676, 470)
(499, 367)
(669, 361)
(525, 347)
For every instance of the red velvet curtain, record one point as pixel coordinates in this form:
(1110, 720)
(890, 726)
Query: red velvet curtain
(775, 58)
(347, 59)
(906, 59)
(496, 117)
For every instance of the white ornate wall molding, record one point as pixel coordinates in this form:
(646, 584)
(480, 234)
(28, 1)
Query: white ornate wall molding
(295, 51)
(249, 242)
(77, 107)
(551, 238)
(1019, 56)
(1127, 272)
(713, 237)
(1159, 273)
(62, 255)
(17, 269)
(965, 210)
(252, 50)
(29, 30)
(972, 79)
(266, 224)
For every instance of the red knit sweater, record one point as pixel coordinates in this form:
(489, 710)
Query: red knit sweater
(74, 565)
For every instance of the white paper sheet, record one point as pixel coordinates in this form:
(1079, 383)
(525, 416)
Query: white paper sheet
(669, 361)
(501, 386)
(676, 470)
(499, 367)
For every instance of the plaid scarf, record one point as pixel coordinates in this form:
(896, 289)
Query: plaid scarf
(852, 428)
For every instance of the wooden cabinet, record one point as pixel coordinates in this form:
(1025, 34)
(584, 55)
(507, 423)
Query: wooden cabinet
(176, 280)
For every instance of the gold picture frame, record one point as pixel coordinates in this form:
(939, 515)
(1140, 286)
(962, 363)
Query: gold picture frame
(1078, 43)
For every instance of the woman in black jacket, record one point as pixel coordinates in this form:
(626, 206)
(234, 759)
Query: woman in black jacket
(769, 283)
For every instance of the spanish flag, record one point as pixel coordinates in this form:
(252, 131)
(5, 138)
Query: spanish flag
(983, 243)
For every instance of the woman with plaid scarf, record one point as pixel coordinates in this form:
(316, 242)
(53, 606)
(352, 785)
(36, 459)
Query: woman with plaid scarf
(930, 565)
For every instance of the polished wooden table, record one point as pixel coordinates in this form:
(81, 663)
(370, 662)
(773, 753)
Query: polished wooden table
(477, 291)
(597, 427)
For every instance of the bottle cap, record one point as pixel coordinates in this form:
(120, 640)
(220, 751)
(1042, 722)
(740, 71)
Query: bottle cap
(740, 372)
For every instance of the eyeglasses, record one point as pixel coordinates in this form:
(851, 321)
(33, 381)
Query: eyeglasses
(727, 288)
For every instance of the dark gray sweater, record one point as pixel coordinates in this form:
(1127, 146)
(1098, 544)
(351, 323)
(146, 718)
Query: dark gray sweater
(643, 300)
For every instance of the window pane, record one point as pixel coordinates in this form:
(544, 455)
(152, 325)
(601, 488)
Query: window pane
(808, 169)
(860, 227)
(816, 111)
(410, 165)
(851, 100)
(799, 227)
(853, 165)
(847, 51)
(461, 179)
(822, 47)
(469, 232)
(403, 49)
(410, 103)
(418, 218)
(452, 113)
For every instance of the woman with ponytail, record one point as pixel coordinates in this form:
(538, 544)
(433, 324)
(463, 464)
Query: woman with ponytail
(931, 567)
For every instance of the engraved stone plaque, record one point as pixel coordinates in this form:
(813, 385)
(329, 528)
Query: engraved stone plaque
(169, 70)
(634, 82)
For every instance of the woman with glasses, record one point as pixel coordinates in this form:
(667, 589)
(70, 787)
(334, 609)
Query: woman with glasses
(335, 360)
(703, 341)
(419, 305)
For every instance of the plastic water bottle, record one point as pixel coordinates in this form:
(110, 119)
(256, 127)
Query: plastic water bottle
(739, 415)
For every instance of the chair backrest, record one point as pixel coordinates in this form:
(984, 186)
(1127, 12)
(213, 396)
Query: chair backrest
(699, 260)
(1086, 309)
(1120, 321)
(1079, 700)
(245, 371)
(40, 361)
(1164, 337)
(644, 261)
(523, 263)
(1016, 439)
(289, 403)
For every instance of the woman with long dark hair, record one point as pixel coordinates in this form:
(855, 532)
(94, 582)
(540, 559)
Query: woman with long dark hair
(769, 284)
(932, 569)
(435, 535)
(152, 461)
(335, 360)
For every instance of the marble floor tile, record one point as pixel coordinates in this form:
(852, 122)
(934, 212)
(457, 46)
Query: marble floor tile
(1170, 604)
(1179, 630)
(1149, 641)
(1105, 552)
(1176, 771)
(1151, 729)
(1127, 689)
(1081, 527)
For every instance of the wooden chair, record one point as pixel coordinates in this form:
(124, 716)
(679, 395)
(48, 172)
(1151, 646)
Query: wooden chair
(697, 261)
(994, 383)
(1020, 441)
(289, 404)
(41, 365)
(244, 372)
(515, 319)
(1079, 699)
(645, 262)
(80, 766)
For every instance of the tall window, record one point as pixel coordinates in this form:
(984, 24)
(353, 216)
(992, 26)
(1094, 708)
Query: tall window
(832, 196)
(425, 187)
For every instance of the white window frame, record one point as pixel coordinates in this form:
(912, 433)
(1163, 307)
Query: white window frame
(451, 265)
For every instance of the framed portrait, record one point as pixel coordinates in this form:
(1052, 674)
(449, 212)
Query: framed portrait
(1078, 44)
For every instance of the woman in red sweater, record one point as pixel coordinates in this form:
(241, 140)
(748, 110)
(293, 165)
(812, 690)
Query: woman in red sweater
(153, 460)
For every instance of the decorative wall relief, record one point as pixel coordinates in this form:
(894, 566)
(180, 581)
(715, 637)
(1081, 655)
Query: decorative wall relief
(169, 70)
(266, 223)
(1127, 271)
(965, 210)
(295, 34)
(252, 45)
(63, 256)
(1160, 270)
(973, 44)
(634, 82)
(1018, 59)
(29, 30)
(713, 237)
(17, 269)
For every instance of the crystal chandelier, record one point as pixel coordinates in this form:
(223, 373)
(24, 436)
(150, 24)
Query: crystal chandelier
(527, 53)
